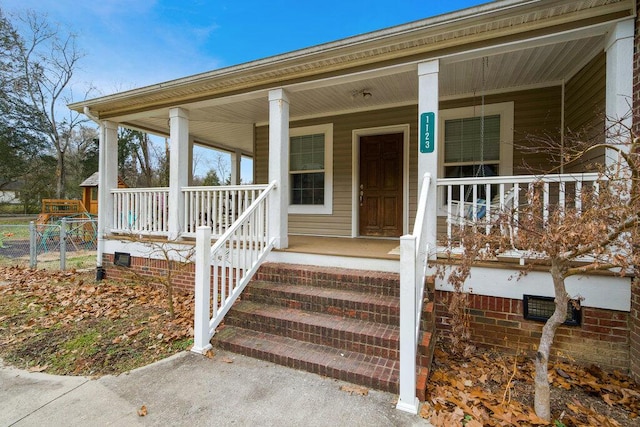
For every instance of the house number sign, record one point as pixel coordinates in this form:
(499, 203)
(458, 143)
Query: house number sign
(426, 132)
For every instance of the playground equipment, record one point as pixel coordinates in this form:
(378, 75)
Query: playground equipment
(55, 209)
(80, 226)
(90, 192)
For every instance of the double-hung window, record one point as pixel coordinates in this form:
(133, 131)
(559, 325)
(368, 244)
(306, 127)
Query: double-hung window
(472, 147)
(310, 169)
(476, 142)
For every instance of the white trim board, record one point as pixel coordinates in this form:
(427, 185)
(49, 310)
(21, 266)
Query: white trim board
(354, 263)
(146, 249)
(606, 292)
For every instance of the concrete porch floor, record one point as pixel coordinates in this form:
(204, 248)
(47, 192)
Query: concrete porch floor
(345, 247)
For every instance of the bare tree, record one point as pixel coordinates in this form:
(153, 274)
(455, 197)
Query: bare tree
(178, 258)
(49, 58)
(597, 233)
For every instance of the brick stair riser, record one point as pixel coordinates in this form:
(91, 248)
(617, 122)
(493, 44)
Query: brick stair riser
(368, 282)
(314, 367)
(324, 335)
(318, 304)
(424, 356)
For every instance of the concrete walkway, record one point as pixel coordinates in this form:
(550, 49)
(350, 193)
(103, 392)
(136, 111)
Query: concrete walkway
(188, 389)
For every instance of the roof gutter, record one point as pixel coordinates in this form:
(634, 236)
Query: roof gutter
(88, 113)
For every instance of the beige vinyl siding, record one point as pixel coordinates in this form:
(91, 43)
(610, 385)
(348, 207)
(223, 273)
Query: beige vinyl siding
(536, 114)
(339, 223)
(585, 103)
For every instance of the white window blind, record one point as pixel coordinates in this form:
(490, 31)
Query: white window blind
(464, 142)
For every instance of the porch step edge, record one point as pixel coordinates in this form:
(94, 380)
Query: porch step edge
(346, 303)
(370, 371)
(375, 282)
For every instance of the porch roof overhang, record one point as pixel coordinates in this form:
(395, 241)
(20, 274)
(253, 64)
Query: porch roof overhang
(529, 43)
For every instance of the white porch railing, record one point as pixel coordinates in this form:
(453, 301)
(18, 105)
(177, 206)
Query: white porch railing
(414, 254)
(232, 261)
(146, 210)
(216, 207)
(464, 200)
(140, 210)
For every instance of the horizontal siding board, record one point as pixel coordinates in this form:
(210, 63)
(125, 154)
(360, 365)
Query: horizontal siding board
(585, 100)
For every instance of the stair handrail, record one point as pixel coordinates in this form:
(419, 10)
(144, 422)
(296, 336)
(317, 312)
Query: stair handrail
(413, 269)
(233, 259)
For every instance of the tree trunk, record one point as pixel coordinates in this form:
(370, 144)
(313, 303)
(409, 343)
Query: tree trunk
(60, 176)
(542, 401)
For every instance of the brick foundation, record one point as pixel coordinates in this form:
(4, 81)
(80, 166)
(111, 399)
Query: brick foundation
(634, 330)
(610, 339)
(183, 274)
(603, 337)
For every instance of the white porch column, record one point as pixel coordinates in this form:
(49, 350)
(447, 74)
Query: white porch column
(107, 180)
(190, 162)
(279, 166)
(178, 168)
(427, 142)
(236, 158)
(619, 92)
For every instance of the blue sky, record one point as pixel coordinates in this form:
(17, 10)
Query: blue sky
(133, 43)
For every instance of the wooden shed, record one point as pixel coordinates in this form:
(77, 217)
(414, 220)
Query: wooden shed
(90, 192)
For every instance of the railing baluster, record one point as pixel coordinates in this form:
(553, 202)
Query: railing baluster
(475, 203)
(216, 285)
(449, 212)
(487, 207)
(545, 203)
(579, 197)
(562, 190)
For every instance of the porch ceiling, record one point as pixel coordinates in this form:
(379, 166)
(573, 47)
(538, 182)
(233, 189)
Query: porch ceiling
(228, 122)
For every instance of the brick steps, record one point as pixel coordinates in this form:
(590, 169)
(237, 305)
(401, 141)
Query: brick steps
(339, 323)
(372, 338)
(370, 282)
(370, 371)
(351, 304)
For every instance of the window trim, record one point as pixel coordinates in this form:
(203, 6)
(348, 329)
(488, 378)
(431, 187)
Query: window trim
(505, 110)
(327, 207)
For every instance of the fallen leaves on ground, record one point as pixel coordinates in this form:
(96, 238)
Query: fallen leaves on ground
(70, 324)
(492, 389)
(142, 412)
(355, 389)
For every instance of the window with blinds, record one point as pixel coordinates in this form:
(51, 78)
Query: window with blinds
(307, 169)
(468, 151)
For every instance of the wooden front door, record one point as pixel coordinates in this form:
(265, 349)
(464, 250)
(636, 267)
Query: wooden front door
(381, 185)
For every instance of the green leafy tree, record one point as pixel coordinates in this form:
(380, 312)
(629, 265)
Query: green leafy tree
(20, 138)
(82, 158)
(211, 179)
(38, 183)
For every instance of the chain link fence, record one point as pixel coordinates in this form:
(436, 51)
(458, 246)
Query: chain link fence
(60, 245)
